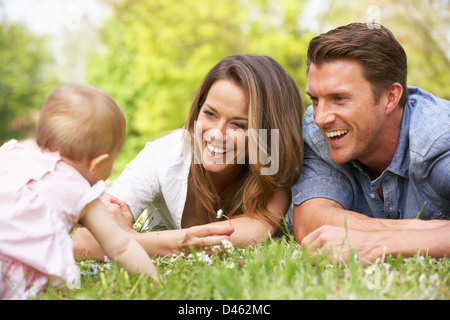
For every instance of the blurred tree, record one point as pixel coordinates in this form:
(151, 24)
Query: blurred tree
(24, 82)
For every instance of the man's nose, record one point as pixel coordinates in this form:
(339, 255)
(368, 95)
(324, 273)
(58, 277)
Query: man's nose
(323, 115)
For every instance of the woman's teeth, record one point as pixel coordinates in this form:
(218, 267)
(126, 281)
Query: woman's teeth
(215, 150)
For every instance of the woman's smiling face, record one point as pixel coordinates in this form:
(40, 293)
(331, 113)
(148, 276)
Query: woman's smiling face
(223, 123)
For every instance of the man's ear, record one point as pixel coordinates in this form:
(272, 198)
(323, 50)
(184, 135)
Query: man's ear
(97, 161)
(393, 95)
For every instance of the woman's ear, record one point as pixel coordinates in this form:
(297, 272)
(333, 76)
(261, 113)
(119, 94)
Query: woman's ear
(97, 161)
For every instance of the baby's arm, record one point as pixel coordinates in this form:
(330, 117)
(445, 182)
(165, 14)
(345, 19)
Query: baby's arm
(116, 243)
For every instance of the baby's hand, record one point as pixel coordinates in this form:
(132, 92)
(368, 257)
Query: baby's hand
(121, 213)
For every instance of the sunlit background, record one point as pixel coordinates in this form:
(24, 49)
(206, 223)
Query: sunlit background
(151, 56)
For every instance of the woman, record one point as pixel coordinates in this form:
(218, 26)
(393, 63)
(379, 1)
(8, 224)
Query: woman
(240, 151)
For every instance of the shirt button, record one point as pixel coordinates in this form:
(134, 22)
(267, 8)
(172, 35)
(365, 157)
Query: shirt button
(372, 196)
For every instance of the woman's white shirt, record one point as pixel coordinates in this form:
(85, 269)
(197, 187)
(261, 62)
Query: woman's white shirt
(157, 179)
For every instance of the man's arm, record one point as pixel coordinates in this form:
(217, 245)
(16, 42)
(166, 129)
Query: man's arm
(324, 223)
(317, 212)
(339, 243)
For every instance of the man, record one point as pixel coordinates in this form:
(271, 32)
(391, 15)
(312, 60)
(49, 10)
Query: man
(377, 153)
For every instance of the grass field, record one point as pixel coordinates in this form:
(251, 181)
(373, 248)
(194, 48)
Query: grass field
(278, 269)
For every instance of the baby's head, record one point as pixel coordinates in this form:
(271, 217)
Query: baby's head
(82, 123)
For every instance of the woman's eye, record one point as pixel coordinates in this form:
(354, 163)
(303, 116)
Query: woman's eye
(240, 125)
(208, 113)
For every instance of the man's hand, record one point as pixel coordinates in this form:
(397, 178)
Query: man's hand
(339, 244)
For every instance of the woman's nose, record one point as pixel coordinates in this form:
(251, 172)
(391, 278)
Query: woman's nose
(217, 134)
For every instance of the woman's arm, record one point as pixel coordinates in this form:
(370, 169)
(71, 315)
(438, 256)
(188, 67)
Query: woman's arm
(249, 230)
(166, 242)
(163, 243)
(244, 231)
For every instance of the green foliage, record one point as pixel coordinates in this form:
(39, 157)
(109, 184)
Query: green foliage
(24, 82)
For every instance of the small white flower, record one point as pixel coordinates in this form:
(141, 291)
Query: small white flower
(297, 254)
(422, 278)
(92, 269)
(230, 265)
(105, 267)
(173, 260)
(221, 214)
(227, 243)
(370, 270)
(434, 279)
(203, 257)
(206, 259)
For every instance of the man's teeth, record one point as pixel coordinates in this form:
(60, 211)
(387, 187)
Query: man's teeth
(216, 150)
(336, 133)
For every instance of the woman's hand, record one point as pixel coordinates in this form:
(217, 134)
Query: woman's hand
(205, 236)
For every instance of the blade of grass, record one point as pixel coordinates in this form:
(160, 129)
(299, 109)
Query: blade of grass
(418, 215)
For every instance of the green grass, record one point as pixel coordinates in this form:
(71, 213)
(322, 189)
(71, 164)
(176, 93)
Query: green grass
(276, 269)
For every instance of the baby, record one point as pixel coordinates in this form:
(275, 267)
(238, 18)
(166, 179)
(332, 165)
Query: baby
(44, 195)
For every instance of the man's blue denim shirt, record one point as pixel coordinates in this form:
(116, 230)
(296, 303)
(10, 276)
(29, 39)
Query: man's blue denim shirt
(419, 171)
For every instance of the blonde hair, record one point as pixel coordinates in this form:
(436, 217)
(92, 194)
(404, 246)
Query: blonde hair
(80, 121)
(274, 102)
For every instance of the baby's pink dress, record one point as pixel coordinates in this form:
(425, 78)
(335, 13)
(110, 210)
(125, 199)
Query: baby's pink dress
(41, 198)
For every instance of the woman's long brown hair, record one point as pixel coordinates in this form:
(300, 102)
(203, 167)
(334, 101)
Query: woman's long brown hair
(274, 102)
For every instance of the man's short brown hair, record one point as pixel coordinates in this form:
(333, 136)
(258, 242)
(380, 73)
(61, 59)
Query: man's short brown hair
(382, 58)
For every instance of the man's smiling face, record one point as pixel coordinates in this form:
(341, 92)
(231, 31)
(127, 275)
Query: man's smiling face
(344, 109)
